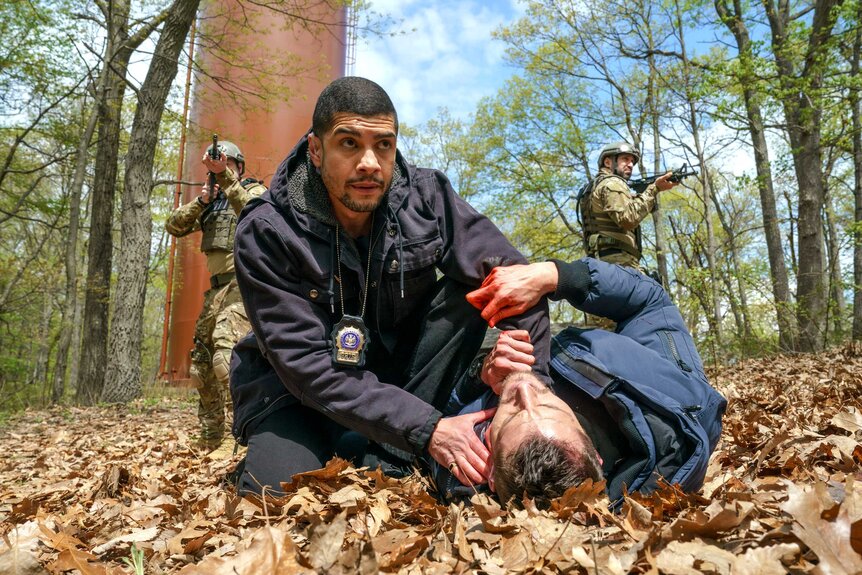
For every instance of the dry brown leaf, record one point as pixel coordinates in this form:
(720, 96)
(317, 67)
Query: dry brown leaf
(324, 542)
(829, 540)
(269, 550)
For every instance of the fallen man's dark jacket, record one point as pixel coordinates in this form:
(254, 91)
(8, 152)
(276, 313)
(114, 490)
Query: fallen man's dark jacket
(641, 393)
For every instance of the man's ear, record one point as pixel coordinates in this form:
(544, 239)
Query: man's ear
(315, 150)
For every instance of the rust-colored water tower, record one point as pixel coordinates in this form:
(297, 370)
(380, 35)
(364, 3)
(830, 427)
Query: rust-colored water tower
(314, 55)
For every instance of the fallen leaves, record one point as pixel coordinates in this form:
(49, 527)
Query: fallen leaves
(80, 487)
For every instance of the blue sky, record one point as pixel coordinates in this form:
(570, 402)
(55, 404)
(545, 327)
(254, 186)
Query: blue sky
(449, 60)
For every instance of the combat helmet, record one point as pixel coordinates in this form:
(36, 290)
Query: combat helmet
(616, 148)
(231, 150)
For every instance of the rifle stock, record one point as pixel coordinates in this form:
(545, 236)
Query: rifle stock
(640, 184)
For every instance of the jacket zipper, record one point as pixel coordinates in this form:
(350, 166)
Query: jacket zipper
(671, 344)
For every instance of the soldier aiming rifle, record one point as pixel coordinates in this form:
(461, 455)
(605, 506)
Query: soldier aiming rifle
(611, 214)
(223, 319)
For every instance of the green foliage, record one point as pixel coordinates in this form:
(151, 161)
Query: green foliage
(136, 560)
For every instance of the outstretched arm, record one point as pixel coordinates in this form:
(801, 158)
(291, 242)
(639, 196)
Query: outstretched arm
(511, 290)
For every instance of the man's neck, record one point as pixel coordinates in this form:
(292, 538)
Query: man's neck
(355, 224)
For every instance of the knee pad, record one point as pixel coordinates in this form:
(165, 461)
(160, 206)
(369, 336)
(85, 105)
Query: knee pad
(221, 366)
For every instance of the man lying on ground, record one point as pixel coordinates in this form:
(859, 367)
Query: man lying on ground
(632, 406)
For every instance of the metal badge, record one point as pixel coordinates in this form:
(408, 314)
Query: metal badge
(349, 341)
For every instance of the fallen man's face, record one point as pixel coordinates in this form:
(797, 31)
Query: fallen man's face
(527, 408)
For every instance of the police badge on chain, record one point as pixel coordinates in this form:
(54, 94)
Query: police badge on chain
(350, 340)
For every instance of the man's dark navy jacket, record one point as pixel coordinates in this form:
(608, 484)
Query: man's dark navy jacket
(640, 393)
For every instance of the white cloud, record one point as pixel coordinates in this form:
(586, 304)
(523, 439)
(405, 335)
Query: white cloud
(448, 59)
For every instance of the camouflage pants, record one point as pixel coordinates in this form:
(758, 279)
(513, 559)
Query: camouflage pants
(624, 259)
(221, 323)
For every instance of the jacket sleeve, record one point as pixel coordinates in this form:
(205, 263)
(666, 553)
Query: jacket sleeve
(293, 334)
(472, 247)
(236, 193)
(640, 306)
(625, 210)
(184, 219)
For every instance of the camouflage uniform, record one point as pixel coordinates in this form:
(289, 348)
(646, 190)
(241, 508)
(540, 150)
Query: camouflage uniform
(222, 320)
(612, 215)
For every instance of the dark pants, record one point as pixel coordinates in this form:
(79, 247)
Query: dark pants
(296, 438)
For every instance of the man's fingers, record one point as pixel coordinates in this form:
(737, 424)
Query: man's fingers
(484, 414)
(517, 334)
(478, 298)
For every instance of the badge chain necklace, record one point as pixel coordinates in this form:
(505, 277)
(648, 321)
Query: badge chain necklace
(367, 271)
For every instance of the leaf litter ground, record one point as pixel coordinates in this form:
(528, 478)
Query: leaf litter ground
(83, 489)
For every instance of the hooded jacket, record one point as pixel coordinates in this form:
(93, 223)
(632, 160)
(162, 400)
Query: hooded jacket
(286, 264)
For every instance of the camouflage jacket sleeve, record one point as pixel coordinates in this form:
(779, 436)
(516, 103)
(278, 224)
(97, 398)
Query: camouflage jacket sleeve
(237, 194)
(625, 210)
(184, 219)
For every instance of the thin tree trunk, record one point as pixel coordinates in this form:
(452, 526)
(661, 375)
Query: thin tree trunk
(94, 349)
(803, 112)
(40, 367)
(71, 302)
(123, 380)
(838, 304)
(856, 111)
(741, 311)
(786, 319)
(657, 215)
(705, 180)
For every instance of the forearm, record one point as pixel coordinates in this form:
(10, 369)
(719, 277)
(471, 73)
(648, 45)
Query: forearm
(237, 195)
(184, 219)
(635, 209)
(607, 290)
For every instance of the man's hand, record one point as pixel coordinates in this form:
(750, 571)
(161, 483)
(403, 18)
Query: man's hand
(663, 183)
(455, 445)
(512, 352)
(512, 290)
(214, 165)
(205, 196)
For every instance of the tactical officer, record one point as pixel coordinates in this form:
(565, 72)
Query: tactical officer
(222, 320)
(611, 213)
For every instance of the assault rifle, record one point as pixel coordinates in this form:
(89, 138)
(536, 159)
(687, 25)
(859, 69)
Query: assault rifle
(640, 184)
(215, 154)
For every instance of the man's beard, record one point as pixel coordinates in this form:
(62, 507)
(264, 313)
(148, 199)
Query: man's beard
(622, 174)
(357, 206)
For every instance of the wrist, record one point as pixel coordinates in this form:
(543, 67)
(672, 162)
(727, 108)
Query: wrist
(550, 277)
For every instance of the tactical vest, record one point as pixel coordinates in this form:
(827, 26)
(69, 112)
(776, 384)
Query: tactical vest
(218, 224)
(597, 222)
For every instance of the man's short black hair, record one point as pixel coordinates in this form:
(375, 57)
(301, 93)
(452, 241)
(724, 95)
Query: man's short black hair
(544, 469)
(351, 95)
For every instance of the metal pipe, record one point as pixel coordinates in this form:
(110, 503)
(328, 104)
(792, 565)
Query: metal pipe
(177, 195)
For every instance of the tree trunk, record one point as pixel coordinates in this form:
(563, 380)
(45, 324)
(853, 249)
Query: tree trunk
(123, 380)
(657, 216)
(71, 302)
(838, 305)
(40, 367)
(741, 312)
(786, 319)
(97, 291)
(705, 180)
(856, 111)
(803, 110)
